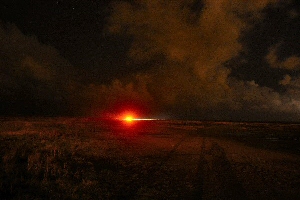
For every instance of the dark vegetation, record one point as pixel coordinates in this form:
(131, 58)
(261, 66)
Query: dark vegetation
(53, 160)
(76, 158)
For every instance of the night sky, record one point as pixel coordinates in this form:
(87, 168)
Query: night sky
(183, 59)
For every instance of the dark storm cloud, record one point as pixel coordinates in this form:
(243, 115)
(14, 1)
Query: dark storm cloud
(290, 63)
(35, 79)
(176, 64)
(193, 52)
(189, 76)
(293, 14)
(292, 85)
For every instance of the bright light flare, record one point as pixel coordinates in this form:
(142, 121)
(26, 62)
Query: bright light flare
(129, 118)
(143, 119)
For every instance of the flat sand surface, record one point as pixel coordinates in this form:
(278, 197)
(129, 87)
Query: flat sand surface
(99, 159)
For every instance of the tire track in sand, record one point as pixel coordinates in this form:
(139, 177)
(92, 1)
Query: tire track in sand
(216, 178)
(155, 174)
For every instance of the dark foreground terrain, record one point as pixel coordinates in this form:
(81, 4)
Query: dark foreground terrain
(59, 158)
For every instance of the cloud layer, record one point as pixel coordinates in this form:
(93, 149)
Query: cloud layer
(34, 78)
(183, 47)
(190, 42)
(290, 63)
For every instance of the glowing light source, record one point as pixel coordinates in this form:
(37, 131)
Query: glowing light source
(129, 118)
